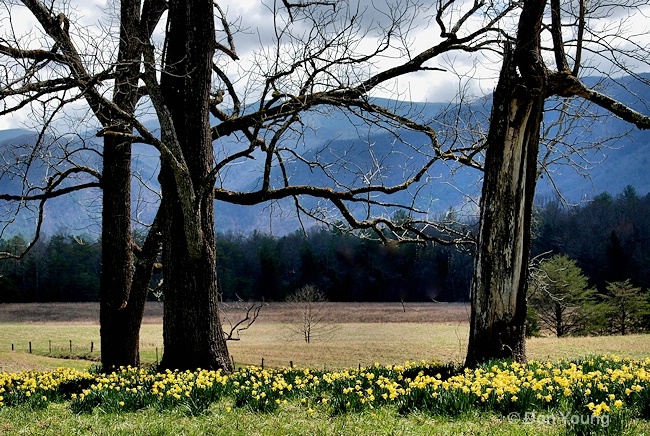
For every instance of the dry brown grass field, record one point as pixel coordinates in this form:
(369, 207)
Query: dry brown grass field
(88, 313)
(357, 333)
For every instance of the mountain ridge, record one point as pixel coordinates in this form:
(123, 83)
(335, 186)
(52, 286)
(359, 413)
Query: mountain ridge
(448, 186)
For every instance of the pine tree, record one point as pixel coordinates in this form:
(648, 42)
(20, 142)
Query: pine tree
(625, 307)
(565, 303)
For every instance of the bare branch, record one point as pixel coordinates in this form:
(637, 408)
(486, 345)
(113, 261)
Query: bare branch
(579, 37)
(566, 85)
(556, 32)
(307, 4)
(230, 50)
(246, 314)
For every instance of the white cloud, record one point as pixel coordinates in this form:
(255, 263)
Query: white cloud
(253, 21)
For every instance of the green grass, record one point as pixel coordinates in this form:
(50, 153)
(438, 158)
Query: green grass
(57, 419)
(57, 415)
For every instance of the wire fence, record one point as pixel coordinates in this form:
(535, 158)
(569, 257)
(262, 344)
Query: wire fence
(71, 349)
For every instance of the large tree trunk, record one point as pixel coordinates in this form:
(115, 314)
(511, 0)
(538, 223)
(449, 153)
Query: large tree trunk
(192, 332)
(124, 284)
(499, 283)
(117, 267)
(119, 318)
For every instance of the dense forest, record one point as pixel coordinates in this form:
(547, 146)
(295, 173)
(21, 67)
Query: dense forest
(609, 238)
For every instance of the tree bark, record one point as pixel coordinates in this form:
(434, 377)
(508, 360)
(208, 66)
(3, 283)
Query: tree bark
(124, 284)
(119, 320)
(192, 332)
(499, 283)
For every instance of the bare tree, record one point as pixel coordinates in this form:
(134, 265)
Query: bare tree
(314, 316)
(212, 126)
(59, 75)
(315, 63)
(527, 80)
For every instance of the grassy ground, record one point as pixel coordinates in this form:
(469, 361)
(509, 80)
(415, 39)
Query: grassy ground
(364, 334)
(88, 313)
(57, 419)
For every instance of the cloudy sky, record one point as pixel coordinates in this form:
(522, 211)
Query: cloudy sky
(256, 24)
(254, 21)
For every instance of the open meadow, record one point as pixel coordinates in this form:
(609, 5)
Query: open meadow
(356, 333)
(379, 394)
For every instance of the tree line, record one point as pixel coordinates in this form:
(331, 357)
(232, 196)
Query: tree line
(608, 239)
(596, 278)
(57, 268)
(255, 267)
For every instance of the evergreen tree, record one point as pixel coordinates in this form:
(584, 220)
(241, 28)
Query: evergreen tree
(562, 298)
(625, 306)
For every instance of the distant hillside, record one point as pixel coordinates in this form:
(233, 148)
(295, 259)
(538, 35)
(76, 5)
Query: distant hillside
(448, 187)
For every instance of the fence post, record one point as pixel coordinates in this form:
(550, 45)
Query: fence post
(291, 364)
(50, 343)
(12, 347)
(71, 345)
(30, 347)
(92, 346)
(262, 363)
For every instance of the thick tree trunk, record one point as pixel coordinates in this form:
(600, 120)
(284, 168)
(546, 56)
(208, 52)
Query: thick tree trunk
(117, 267)
(499, 283)
(192, 332)
(123, 289)
(120, 319)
